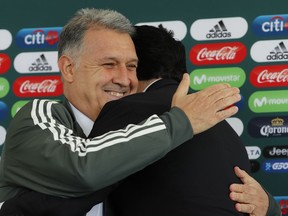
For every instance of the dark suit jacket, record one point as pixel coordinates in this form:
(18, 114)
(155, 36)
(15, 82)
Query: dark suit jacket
(193, 179)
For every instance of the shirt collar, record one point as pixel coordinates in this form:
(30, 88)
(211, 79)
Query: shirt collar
(151, 84)
(85, 123)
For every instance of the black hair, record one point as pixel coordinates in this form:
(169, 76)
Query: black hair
(160, 55)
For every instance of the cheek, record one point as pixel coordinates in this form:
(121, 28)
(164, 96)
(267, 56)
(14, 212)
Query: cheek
(134, 81)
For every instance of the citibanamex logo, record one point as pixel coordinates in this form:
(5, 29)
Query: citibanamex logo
(218, 53)
(5, 63)
(269, 76)
(38, 86)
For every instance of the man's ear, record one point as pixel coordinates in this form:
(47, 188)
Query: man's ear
(66, 67)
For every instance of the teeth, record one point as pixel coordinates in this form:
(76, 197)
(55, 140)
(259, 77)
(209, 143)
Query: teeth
(117, 94)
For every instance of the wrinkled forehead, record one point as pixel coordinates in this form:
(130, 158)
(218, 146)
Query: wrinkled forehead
(109, 44)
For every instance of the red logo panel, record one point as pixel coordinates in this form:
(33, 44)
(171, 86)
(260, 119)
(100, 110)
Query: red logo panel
(5, 63)
(269, 76)
(38, 86)
(218, 53)
(52, 37)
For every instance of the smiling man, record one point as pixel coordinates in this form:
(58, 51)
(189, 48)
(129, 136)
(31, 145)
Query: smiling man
(47, 149)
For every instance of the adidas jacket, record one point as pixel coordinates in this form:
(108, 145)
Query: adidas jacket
(46, 151)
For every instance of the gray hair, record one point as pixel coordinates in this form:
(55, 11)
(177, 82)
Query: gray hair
(90, 18)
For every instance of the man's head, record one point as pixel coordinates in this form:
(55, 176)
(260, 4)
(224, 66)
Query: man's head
(160, 55)
(97, 59)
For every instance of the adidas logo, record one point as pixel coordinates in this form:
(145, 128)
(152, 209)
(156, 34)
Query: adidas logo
(279, 53)
(219, 31)
(40, 64)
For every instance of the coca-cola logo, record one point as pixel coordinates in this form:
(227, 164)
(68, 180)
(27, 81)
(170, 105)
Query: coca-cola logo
(218, 53)
(38, 86)
(269, 76)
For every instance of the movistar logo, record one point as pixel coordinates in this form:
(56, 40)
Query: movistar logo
(269, 101)
(4, 87)
(17, 106)
(202, 78)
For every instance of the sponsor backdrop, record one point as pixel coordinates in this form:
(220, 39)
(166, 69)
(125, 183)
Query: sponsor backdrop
(243, 43)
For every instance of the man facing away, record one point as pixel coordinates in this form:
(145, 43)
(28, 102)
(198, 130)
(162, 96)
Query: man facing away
(193, 179)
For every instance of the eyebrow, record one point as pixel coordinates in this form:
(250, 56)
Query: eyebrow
(116, 59)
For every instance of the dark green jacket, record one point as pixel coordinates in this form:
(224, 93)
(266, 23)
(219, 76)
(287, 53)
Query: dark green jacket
(46, 151)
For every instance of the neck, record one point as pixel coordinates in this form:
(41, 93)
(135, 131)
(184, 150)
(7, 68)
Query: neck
(144, 83)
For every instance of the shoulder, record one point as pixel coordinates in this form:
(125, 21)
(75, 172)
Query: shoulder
(37, 104)
(42, 108)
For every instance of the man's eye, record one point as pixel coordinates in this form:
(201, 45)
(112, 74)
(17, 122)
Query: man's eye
(132, 66)
(108, 64)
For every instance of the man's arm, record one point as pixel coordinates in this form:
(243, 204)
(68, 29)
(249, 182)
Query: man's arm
(252, 198)
(204, 108)
(114, 117)
(49, 157)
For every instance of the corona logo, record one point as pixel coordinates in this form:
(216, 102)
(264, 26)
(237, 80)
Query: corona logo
(277, 122)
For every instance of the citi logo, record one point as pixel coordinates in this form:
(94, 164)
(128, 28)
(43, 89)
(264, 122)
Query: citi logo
(254, 152)
(218, 53)
(219, 28)
(5, 63)
(178, 27)
(270, 51)
(260, 127)
(275, 166)
(202, 78)
(269, 76)
(271, 25)
(36, 62)
(276, 151)
(38, 37)
(269, 101)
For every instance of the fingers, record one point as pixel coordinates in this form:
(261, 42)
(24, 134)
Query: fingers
(246, 208)
(245, 178)
(224, 100)
(242, 197)
(226, 97)
(220, 91)
(250, 197)
(213, 89)
(222, 96)
(239, 172)
(183, 86)
(206, 108)
(226, 113)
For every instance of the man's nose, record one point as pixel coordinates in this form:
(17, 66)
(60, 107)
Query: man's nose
(122, 76)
